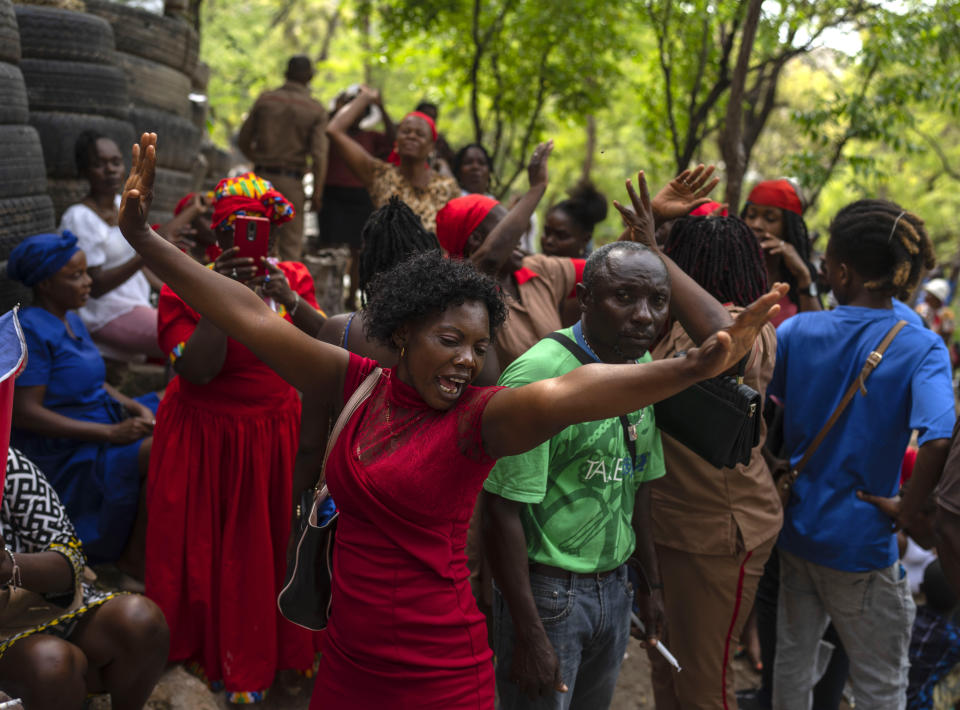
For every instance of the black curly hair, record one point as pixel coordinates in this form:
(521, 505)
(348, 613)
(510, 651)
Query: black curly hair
(85, 149)
(885, 244)
(423, 285)
(794, 233)
(585, 205)
(722, 255)
(390, 235)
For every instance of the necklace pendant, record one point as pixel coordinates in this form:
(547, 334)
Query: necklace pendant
(632, 432)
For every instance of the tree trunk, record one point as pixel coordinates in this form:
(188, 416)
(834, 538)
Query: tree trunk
(731, 143)
(591, 148)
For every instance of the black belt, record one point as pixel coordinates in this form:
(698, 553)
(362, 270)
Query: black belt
(298, 174)
(559, 573)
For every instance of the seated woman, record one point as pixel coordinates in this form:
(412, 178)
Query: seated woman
(774, 212)
(413, 180)
(221, 473)
(713, 528)
(118, 313)
(93, 441)
(80, 640)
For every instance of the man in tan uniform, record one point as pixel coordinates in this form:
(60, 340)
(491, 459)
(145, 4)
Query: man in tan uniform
(285, 127)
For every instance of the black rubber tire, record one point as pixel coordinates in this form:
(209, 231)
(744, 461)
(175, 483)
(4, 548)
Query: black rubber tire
(76, 87)
(178, 140)
(167, 40)
(168, 188)
(22, 217)
(12, 292)
(9, 34)
(154, 85)
(218, 162)
(51, 33)
(13, 95)
(65, 192)
(22, 171)
(58, 134)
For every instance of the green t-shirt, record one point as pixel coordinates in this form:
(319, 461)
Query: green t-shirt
(579, 486)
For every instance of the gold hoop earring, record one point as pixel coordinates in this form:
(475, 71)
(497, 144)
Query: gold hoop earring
(403, 351)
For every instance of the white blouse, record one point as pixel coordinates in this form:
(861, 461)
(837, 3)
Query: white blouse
(105, 247)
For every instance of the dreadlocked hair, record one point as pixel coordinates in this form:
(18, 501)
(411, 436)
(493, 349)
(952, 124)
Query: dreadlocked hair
(585, 205)
(885, 244)
(390, 235)
(722, 255)
(424, 285)
(794, 233)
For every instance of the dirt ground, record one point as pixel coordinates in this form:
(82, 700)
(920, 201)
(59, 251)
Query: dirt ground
(180, 691)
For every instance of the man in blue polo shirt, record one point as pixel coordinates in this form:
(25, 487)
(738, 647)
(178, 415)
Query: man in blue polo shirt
(838, 551)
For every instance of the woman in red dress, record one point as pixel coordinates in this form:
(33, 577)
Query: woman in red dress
(405, 631)
(219, 486)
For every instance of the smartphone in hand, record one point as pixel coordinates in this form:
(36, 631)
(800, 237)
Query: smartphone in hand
(252, 236)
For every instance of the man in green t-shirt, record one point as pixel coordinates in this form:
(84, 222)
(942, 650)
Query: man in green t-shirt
(562, 520)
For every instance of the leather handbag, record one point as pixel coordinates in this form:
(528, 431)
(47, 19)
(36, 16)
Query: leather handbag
(305, 597)
(717, 419)
(784, 475)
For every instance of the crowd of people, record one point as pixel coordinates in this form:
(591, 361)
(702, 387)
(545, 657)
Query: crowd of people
(509, 510)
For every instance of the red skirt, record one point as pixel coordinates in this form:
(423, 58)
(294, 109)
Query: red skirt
(218, 498)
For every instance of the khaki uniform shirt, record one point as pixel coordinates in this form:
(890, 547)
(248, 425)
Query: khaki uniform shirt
(543, 284)
(717, 511)
(284, 127)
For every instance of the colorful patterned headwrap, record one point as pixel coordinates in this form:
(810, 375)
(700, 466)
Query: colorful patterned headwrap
(40, 256)
(248, 195)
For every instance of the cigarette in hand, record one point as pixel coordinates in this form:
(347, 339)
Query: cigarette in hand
(659, 645)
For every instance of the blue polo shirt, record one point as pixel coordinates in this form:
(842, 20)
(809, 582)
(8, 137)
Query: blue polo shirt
(818, 355)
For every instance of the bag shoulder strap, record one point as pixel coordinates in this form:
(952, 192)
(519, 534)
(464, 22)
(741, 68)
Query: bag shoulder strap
(629, 431)
(356, 399)
(873, 359)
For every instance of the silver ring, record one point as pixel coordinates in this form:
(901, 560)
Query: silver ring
(234, 275)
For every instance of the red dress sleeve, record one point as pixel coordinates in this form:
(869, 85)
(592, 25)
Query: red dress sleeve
(357, 370)
(176, 321)
(300, 280)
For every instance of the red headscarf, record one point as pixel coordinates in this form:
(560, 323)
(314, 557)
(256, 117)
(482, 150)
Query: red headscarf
(248, 194)
(777, 193)
(394, 157)
(457, 220)
(705, 209)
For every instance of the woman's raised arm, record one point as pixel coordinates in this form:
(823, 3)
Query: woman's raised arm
(305, 363)
(518, 419)
(360, 162)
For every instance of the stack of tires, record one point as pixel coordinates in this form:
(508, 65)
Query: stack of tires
(73, 86)
(159, 56)
(25, 207)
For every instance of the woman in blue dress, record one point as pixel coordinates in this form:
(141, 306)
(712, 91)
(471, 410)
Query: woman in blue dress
(91, 441)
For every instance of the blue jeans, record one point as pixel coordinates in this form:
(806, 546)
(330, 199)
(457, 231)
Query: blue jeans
(588, 622)
(873, 614)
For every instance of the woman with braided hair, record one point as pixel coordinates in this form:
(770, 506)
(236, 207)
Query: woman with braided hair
(838, 550)
(774, 212)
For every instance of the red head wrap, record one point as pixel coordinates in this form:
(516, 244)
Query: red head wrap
(394, 157)
(706, 208)
(777, 193)
(425, 117)
(248, 194)
(457, 220)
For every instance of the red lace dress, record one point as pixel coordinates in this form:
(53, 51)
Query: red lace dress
(405, 631)
(218, 497)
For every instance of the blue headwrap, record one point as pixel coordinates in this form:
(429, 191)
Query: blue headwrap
(40, 256)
